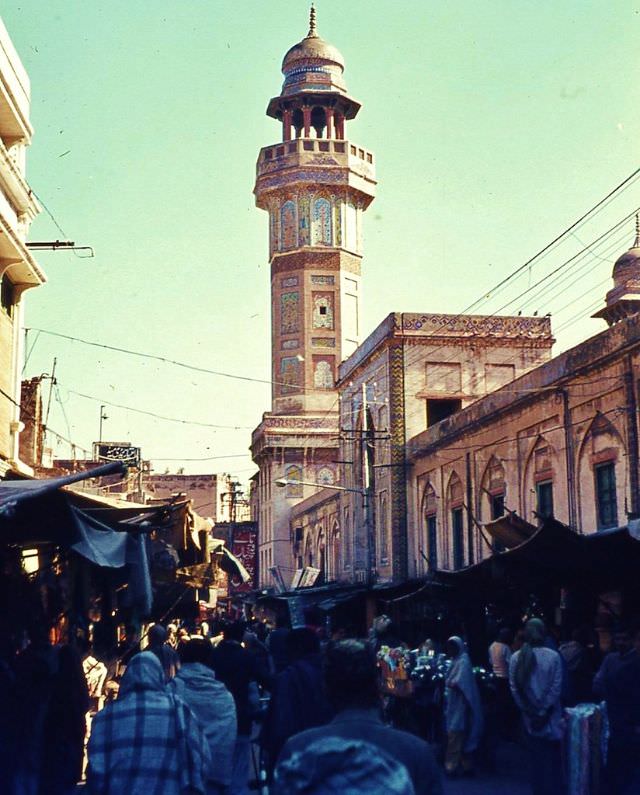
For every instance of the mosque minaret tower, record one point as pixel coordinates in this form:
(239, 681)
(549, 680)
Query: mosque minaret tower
(315, 185)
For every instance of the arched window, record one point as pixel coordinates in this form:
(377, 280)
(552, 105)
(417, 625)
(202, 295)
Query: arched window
(602, 476)
(539, 481)
(321, 234)
(455, 502)
(493, 495)
(333, 556)
(321, 557)
(430, 514)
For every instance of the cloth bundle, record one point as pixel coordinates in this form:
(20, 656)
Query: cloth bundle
(585, 742)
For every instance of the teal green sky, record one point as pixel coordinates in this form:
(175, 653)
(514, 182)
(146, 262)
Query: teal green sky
(495, 125)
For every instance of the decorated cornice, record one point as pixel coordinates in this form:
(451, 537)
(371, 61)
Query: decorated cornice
(476, 326)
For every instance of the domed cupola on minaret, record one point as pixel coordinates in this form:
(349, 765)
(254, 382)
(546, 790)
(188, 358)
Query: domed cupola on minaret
(623, 300)
(314, 95)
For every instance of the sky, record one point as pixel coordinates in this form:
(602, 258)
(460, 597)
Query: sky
(496, 124)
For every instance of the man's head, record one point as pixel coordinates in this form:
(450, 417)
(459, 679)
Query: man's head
(301, 643)
(535, 632)
(504, 635)
(196, 650)
(233, 630)
(622, 639)
(351, 676)
(157, 635)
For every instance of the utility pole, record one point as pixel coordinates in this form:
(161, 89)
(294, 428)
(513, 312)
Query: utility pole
(103, 416)
(366, 491)
(51, 385)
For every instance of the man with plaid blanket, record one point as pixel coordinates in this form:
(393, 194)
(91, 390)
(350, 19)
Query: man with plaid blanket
(148, 742)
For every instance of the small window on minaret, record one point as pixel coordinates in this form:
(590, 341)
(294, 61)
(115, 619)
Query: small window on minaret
(323, 310)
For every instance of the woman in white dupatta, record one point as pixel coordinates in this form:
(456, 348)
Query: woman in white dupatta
(463, 711)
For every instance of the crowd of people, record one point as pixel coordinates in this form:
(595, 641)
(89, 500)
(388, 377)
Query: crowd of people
(207, 713)
(535, 678)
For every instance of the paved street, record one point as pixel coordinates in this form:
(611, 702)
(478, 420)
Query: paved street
(510, 777)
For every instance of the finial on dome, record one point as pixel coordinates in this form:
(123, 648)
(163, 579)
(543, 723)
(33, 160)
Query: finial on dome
(313, 33)
(637, 241)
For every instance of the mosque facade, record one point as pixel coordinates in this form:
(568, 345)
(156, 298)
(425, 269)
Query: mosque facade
(396, 452)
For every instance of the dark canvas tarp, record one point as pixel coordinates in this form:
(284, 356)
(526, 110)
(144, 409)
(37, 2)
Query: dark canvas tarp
(557, 555)
(36, 512)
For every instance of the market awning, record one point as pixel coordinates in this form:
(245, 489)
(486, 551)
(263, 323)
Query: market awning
(510, 530)
(39, 511)
(14, 492)
(556, 555)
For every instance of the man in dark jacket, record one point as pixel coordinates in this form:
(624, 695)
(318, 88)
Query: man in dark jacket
(351, 682)
(621, 686)
(298, 698)
(237, 669)
(277, 644)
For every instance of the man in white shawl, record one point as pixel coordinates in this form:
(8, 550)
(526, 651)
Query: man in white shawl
(212, 704)
(463, 711)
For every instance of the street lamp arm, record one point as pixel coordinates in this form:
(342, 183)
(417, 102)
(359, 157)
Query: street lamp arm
(282, 482)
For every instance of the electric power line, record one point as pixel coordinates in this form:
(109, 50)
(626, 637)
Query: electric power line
(157, 416)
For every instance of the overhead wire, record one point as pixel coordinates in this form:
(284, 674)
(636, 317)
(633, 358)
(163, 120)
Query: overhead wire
(418, 355)
(59, 227)
(104, 401)
(165, 360)
(621, 186)
(46, 428)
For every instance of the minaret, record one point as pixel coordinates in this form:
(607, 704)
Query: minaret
(315, 184)
(623, 300)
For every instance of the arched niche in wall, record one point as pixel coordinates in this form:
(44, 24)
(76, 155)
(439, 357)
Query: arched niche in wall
(293, 473)
(288, 225)
(321, 222)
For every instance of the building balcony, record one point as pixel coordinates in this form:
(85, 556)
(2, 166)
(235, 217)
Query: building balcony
(316, 160)
(14, 186)
(16, 258)
(14, 93)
